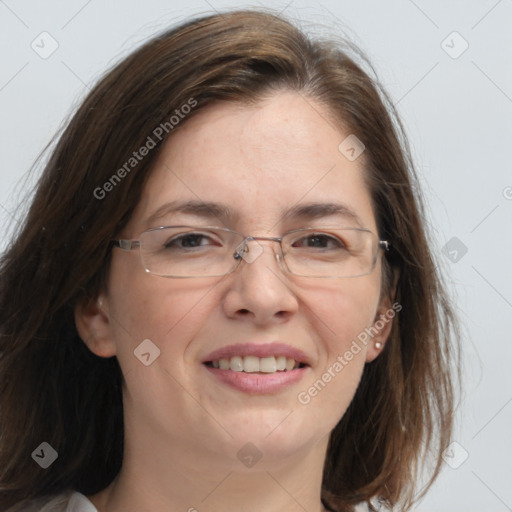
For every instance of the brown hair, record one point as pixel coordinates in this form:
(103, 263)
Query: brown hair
(54, 389)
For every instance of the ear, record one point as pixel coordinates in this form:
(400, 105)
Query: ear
(382, 324)
(93, 325)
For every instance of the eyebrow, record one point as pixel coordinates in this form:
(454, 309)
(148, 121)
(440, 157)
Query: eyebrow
(312, 211)
(222, 212)
(205, 209)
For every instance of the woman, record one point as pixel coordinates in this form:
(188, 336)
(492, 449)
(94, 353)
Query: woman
(223, 296)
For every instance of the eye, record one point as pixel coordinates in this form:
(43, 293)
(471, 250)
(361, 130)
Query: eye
(319, 241)
(190, 241)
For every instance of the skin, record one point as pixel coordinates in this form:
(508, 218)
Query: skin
(183, 428)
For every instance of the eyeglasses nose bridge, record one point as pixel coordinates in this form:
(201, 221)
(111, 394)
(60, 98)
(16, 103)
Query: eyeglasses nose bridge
(241, 248)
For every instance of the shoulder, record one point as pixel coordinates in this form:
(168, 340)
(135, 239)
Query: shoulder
(69, 501)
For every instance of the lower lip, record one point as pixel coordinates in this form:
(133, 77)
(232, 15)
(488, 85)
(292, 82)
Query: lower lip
(258, 383)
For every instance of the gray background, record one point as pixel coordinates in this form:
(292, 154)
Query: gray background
(457, 109)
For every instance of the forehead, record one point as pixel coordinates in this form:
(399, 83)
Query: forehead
(258, 162)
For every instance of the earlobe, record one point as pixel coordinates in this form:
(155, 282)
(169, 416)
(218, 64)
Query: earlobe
(93, 325)
(381, 329)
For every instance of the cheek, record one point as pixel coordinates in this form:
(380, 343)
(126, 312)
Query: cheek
(341, 311)
(146, 307)
(338, 315)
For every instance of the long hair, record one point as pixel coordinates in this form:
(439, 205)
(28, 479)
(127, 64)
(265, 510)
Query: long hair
(54, 390)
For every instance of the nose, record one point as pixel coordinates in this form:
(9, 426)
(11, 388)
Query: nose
(259, 290)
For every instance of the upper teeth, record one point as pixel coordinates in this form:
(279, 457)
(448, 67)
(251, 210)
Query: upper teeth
(251, 364)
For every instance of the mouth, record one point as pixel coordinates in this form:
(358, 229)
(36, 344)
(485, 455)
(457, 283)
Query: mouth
(255, 364)
(256, 368)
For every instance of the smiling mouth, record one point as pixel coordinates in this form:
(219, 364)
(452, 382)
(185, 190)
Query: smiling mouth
(254, 364)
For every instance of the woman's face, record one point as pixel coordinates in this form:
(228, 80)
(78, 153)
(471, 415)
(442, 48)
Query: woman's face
(259, 162)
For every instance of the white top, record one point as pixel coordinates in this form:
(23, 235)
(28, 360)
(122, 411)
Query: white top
(70, 501)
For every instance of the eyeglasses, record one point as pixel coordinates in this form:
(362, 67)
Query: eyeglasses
(207, 251)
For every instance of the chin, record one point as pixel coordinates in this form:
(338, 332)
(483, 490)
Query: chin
(274, 437)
